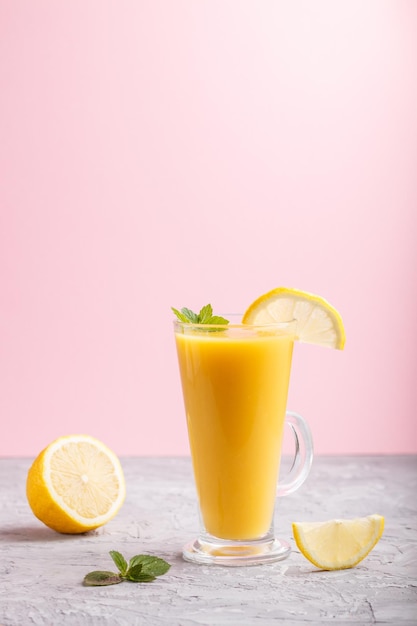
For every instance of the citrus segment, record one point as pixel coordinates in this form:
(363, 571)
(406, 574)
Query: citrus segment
(75, 484)
(338, 543)
(317, 320)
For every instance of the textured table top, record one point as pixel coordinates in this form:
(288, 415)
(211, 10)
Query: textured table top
(41, 572)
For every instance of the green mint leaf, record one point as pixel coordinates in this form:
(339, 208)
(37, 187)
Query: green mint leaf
(139, 578)
(137, 575)
(134, 571)
(100, 578)
(151, 565)
(217, 319)
(204, 317)
(135, 560)
(142, 568)
(180, 316)
(190, 315)
(119, 561)
(205, 314)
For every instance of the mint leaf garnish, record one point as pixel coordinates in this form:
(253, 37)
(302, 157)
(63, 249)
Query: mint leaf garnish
(181, 316)
(206, 314)
(216, 319)
(152, 565)
(190, 315)
(99, 578)
(204, 317)
(137, 575)
(142, 568)
(119, 561)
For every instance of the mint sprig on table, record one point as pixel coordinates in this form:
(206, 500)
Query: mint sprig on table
(204, 317)
(141, 568)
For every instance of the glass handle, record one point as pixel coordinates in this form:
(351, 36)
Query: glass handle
(303, 456)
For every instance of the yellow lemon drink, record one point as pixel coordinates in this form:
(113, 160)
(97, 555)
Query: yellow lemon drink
(235, 384)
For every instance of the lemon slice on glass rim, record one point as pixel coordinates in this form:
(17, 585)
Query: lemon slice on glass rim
(338, 543)
(318, 321)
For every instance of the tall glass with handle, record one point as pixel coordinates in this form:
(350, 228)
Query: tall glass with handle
(235, 384)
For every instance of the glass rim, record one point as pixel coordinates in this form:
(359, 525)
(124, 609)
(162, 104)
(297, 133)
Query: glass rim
(281, 324)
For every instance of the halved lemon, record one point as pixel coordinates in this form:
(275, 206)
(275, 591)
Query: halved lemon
(75, 484)
(338, 543)
(318, 321)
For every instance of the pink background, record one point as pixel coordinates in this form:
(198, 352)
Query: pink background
(157, 153)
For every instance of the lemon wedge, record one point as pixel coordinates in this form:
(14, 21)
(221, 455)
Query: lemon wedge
(75, 484)
(318, 321)
(338, 543)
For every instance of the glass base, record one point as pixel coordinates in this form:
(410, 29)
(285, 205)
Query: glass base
(236, 553)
